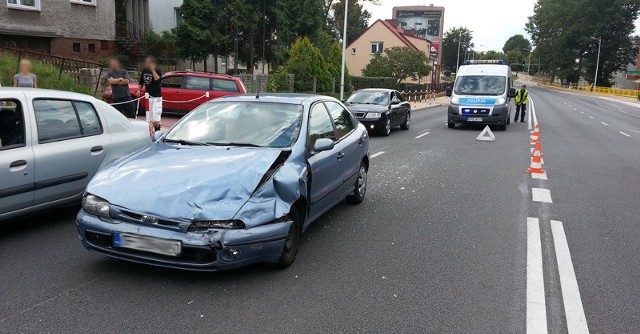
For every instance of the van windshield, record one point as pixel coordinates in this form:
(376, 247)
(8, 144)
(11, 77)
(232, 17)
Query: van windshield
(480, 85)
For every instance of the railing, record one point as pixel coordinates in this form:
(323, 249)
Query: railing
(68, 66)
(632, 93)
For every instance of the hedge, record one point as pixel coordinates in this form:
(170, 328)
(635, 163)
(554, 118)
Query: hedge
(382, 82)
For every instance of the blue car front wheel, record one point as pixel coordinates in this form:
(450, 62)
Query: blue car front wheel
(291, 245)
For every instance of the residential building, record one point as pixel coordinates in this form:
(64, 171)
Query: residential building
(153, 15)
(381, 35)
(424, 21)
(83, 29)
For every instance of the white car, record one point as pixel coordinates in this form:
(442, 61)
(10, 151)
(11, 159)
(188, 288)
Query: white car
(52, 143)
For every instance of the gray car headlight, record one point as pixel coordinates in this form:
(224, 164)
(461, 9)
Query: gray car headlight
(373, 115)
(96, 206)
(203, 225)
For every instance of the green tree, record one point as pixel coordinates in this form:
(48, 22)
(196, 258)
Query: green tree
(294, 19)
(450, 46)
(517, 43)
(305, 62)
(194, 33)
(565, 36)
(515, 58)
(358, 19)
(399, 62)
(334, 63)
(490, 55)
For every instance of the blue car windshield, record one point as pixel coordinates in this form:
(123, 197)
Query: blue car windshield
(369, 97)
(480, 85)
(247, 123)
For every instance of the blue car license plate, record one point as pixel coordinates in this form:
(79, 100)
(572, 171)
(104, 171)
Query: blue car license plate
(147, 244)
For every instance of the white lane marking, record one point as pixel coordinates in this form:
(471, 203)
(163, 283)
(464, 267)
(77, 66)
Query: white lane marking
(422, 135)
(535, 114)
(576, 320)
(591, 117)
(377, 154)
(541, 195)
(624, 134)
(603, 123)
(582, 112)
(539, 176)
(536, 305)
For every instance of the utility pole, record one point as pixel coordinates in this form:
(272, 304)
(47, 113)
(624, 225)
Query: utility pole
(529, 67)
(458, 58)
(344, 49)
(595, 81)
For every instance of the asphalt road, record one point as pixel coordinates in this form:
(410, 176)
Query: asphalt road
(448, 240)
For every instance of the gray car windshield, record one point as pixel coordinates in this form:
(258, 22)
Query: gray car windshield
(380, 98)
(252, 124)
(480, 85)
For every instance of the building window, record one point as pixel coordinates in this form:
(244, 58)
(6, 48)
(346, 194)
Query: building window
(104, 45)
(92, 48)
(76, 47)
(24, 4)
(353, 51)
(178, 13)
(84, 2)
(377, 47)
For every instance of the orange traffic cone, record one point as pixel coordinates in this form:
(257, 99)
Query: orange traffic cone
(537, 151)
(536, 165)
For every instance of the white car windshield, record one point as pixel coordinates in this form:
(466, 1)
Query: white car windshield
(258, 124)
(480, 85)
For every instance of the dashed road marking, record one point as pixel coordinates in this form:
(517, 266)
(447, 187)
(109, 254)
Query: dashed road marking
(541, 195)
(422, 135)
(377, 154)
(591, 117)
(536, 305)
(603, 123)
(576, 320)
(624, 134)
(582, 112)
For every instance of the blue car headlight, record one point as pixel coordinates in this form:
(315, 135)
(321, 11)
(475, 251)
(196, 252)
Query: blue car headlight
(96, 206)
(204, 225)
(372, 115)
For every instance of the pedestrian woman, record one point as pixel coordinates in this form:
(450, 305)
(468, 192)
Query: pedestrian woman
(25, 78)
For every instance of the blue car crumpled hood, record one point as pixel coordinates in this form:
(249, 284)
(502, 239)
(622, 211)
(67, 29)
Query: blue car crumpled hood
(199, 183)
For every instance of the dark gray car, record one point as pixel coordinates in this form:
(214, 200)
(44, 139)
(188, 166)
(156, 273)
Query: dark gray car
(380, 110)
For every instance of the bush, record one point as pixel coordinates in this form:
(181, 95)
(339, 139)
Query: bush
(306, 62)
(48, 76)
(373, 82)
(278, 81)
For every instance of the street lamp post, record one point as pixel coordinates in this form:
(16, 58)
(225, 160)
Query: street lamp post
(595, 80)
(344, 49)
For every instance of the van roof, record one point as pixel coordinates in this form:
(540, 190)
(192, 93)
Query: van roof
(482, 69)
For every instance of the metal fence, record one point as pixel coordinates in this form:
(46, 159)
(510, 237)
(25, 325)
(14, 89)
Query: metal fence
(84, 72)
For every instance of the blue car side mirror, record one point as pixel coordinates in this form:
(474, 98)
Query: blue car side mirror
(157, 135)
(323, 144)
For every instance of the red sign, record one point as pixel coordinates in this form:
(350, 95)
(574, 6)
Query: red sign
(435, 50)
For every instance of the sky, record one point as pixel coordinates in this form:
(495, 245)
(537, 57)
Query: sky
(492, 21)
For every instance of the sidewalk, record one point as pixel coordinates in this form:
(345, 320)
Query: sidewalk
(626, 100)
(439, 101)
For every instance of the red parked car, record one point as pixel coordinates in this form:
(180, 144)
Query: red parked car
(186, 86)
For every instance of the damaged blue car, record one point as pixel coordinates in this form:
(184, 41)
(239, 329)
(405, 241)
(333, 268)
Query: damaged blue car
(235, 182)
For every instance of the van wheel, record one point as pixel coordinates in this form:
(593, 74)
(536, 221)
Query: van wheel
(451, 125)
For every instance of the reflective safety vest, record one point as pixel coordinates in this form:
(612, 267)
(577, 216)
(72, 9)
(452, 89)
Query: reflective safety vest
(522, 97)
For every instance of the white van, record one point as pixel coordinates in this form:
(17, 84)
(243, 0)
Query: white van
(481, 94)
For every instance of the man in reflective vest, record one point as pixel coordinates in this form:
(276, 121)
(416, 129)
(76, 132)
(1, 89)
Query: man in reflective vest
(522, 97)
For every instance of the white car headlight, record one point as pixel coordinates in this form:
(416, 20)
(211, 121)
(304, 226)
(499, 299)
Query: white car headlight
(500, 100)
(455, 100)
(96, 206)
(372, 115)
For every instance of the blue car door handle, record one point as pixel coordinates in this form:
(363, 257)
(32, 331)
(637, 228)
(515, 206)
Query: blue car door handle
(340, 155)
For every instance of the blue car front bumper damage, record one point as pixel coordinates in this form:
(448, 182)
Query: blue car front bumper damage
(213, 250)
